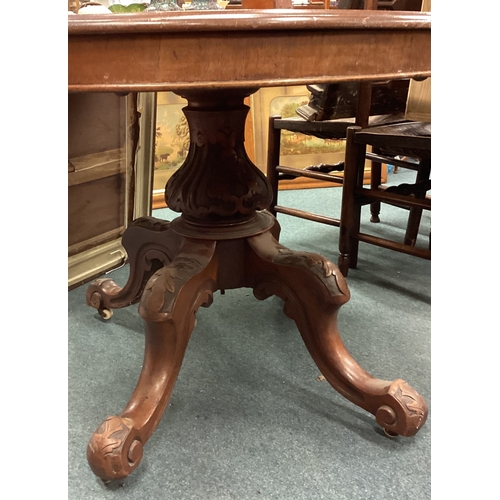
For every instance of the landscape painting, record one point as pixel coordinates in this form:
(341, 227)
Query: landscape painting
(171, 137)
(295, 143)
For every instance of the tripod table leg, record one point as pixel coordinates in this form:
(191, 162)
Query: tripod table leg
(313, 290)
(168, 305)
(150, 244)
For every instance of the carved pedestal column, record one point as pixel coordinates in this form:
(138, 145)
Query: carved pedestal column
(218, 190)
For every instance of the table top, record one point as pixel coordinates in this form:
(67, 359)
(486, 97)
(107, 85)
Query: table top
(244, 48)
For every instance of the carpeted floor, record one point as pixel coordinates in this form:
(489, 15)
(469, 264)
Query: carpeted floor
(248, 418)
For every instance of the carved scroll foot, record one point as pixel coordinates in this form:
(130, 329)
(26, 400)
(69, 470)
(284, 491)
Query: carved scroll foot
(404, 410)
(150, 244)
(313, 290)
(169, 304)
(115, 449)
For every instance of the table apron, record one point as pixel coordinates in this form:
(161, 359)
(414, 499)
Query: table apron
(170, 61)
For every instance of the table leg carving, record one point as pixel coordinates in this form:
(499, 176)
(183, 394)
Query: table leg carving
(168, 305)
(313, 290)
(150, 244)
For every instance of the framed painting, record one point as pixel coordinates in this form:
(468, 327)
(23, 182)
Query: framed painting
(297, 150)
(171, 142)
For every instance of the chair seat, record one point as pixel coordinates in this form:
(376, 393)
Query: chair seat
(332, 129)
(406, 138)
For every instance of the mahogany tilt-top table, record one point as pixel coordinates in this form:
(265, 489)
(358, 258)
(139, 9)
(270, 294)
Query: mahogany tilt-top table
(225, 238)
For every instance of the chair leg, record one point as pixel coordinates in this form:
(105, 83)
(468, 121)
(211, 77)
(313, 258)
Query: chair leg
(350, 216)
(273, 160)
(415, 216)
(412, 227)
(375, 181)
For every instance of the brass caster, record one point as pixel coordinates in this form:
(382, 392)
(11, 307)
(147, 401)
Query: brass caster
(112, 484)
(390, 433)
(105, 314)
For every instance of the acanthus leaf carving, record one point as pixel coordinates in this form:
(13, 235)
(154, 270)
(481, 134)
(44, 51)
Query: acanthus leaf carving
(217, 180)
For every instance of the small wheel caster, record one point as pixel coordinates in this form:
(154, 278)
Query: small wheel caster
(105, 314)
(112, 484)
(390, 433)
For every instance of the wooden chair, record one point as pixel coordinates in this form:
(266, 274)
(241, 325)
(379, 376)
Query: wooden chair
(354, 103)
(346, 104)
(412, 138)
(409, 139)
(331, 110)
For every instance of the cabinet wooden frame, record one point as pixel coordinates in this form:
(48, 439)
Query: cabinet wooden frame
(89, 257)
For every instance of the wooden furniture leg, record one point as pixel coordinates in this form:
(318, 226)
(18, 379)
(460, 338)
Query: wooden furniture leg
(415, 216)
(273, 159)
(350, 214)
(170, 300)
(313, 290)
(375, 181)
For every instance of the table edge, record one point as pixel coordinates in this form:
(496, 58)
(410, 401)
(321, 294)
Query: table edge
(244, 20)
